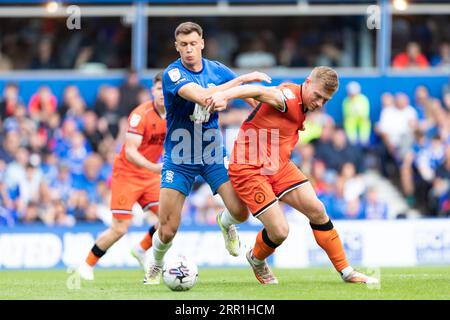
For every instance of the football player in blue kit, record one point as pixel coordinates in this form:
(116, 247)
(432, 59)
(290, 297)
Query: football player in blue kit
(193, 144)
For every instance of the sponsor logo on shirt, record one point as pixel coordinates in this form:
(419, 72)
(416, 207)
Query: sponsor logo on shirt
(169, 176)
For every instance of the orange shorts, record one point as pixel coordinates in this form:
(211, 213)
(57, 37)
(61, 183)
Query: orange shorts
(259, 192)
(127, 189)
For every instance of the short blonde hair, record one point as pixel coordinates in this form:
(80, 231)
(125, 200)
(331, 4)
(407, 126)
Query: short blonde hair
(327, 76)
(187, 28)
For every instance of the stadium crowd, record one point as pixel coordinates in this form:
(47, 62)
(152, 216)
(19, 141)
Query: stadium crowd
(56, 156)
(418, 41)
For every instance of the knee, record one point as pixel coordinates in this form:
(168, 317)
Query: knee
(317, 213)
(166, 232)
(278, 234)
(120, 228)
(240, 212)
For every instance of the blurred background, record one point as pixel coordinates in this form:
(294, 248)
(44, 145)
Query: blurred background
(378, 155)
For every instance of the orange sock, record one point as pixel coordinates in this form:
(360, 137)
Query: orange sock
(146, 243)
(328, 239)
(263, 247)
(94, 255)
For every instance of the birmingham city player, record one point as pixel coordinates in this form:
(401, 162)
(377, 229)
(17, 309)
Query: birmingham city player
(193, 145)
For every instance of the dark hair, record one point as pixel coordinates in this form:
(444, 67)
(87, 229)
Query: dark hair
(187, 28)
(12, 84)
(157, 77)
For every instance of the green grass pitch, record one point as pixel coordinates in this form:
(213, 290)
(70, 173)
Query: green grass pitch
(231, 283)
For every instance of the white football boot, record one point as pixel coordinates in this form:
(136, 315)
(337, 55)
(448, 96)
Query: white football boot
(86, 272)
(358, 277)
(231, 237)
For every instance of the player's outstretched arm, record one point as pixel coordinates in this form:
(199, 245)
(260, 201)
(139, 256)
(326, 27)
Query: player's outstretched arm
(132, 143)
(270, 95)
(196, 93)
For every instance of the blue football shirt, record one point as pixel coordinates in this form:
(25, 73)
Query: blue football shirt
(187, 141)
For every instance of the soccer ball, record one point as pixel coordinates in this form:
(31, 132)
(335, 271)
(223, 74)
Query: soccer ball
(180, 274)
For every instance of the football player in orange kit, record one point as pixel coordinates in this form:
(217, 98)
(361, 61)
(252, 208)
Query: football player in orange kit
(261, 172)
(136, 177)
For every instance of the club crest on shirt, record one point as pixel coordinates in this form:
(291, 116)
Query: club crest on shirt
(134, 120)
(174, 74)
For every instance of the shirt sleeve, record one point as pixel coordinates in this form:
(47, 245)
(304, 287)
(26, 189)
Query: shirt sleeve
(173, 79)
(290, 96)
(227, 73)
(136, 123)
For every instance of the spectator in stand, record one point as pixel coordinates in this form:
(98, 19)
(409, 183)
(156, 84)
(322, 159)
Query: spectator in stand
(61, 185)
(317, 125)
(373, 207)
(411, 58)
(31, 214)
(90, 130)
(76, 111)
(100, 104)
(42, 104)
(421, 101)
(51, 130)
(408, 167)
(356, 110)
(256, 57)
(10, 101)
(85, 198)
(9, 147)
(440, 192)
(6, 63)
(20, 122)
(326, 134)
(77, 153)
(49, 166)
(63, 138)
(289, 55)
(15, 172)
(128, 93)
(396, 125)
(109, 119)
(330, 55)
(305, 159)
(57, 215)
(70, 94)
(337, 152)
(429, 158)
(446, 100)
(443, 58)
(351, 184)
(7, 213)
(349, 189)
(318, 177)
(44, 58)
(143, 95)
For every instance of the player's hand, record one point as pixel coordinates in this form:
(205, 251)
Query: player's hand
(200, 115)
(255, 76)
(217, 102)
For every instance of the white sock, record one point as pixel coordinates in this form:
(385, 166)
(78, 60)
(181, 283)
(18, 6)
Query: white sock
(346, 271)
(226, 219)
(138, 249)
(159, 249)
